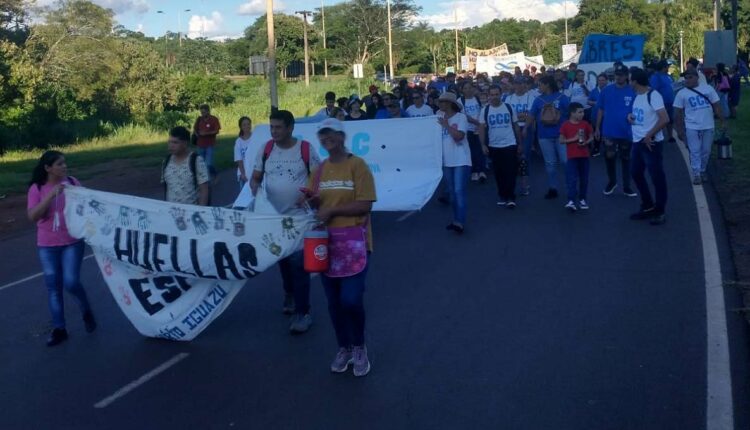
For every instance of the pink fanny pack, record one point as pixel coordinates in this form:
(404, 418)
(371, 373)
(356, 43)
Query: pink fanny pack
(347, 246)
(347, 251)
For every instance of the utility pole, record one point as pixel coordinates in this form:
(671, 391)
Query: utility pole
(734, 19)
(325, 58)
(271, 56)
(390, 41)
(304, 14)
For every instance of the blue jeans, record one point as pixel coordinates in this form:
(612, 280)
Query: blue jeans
(346, 307)
(699, 144)
(643, 159)
(456, 180)
(62, 269)
(553, 153)
(296, 281)
(724, 101)
(577, 175)
(208, 156)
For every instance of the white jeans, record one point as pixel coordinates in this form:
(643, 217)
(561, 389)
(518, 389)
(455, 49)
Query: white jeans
(699, 144)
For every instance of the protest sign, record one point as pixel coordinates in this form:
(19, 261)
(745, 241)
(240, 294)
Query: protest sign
(473, 54)
(404, 155)
(507, 63)
(600, 51)
(173, 268)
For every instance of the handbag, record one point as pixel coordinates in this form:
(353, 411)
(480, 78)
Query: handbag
(347, 246)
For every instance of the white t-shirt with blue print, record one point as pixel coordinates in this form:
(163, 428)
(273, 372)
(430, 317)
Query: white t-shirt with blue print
(499, 126)
(455, 153)
(645, 115)
(699, 114)
(471, 109)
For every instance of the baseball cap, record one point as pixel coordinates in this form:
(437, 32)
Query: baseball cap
(331, 124)
(621, 70)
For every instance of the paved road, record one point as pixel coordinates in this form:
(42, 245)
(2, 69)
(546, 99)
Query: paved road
(534, 319)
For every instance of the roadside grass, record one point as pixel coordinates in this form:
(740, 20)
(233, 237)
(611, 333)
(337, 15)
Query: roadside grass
(142, 146)
(738, 169)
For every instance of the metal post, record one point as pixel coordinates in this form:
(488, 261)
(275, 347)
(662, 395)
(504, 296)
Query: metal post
(717, 14)
(390, 41)
(304, 14)
(166, 55)
(271, 56)
(179, 24)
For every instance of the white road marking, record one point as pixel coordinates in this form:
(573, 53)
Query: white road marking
(406, 215)
(719, 402)
(34, 276)
(140, 381)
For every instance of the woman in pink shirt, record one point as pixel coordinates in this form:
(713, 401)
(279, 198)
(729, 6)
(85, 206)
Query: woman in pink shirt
(61, 255)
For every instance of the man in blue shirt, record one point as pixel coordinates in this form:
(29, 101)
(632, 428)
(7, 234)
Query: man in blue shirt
(661, 81)
(614, 105)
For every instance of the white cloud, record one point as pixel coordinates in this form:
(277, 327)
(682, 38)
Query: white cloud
(258, 7)
(469, 13)
(202, 26)
(139, 28)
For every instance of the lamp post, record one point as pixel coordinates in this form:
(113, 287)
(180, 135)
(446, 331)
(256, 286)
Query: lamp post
(565, 12)
(271, 57)
(682, 59)
(304, 14)
(166, 54)
(455, 20)
(179, 23)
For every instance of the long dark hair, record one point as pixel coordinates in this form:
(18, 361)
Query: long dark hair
(39, 175)
(239, 123)
(550, 82)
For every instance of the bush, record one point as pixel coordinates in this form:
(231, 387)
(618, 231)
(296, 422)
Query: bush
(198, 89)
(162, 121)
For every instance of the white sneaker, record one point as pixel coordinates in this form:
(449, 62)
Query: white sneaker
(474, 177)
(571, 206)
(583, 204)
(501, 203)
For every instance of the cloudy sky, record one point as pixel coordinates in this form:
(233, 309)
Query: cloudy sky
(228, 18)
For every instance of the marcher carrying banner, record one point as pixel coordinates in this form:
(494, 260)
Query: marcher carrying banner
(175, 268)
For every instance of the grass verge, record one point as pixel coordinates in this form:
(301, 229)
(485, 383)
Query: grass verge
(142, 146)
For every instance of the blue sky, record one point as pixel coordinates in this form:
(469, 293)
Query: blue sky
(218, 19)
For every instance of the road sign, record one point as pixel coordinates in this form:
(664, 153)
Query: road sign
(358, 71)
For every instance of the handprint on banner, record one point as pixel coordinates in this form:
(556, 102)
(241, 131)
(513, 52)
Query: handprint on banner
(289, 229)
(124, 216)
(179, 218)
(108, 226)
(97, 207)
(200, 226)
(79, 209)
(125, 296)
(143, 221)
(239, 223)
(269, 242)
(107, 267)
(218, 218)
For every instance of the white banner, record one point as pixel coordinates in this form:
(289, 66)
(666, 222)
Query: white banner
(175, 268)
(507, 63)
(568, 51)
(404, 155)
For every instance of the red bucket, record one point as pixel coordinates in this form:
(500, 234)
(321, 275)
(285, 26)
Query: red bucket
(316, 251)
